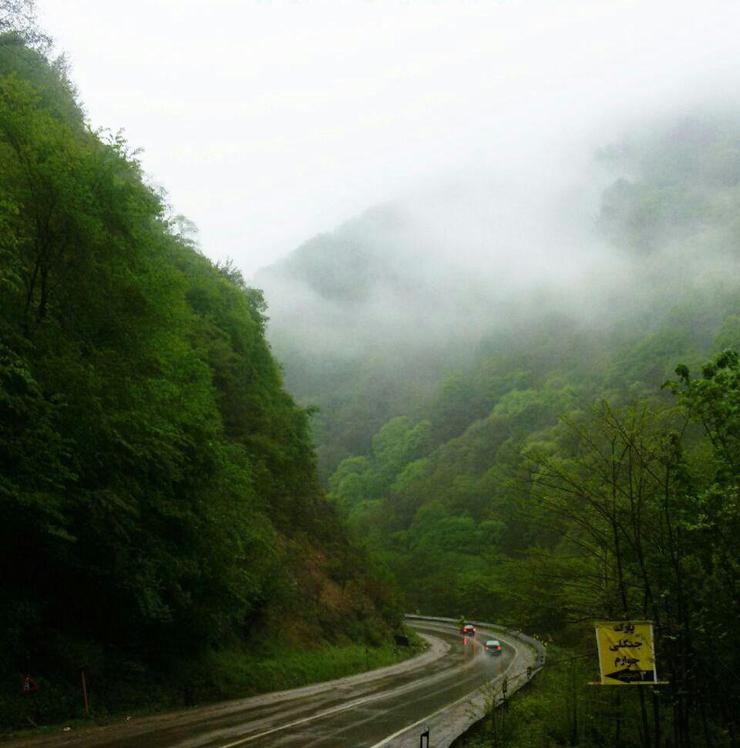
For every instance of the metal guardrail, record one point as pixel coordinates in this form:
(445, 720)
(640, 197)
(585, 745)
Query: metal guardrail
(479, 702)
(537, 645)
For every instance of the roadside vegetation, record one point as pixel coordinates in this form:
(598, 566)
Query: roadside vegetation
(556, 708)
(542, 456)
(158, 486)
(579, 464)
(217, 675)
(276, 668)
(564, 706)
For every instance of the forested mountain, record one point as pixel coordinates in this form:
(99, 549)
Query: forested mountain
(346, 313)
(369, 318)
(549, 478)
(158, 485)
(528, 402)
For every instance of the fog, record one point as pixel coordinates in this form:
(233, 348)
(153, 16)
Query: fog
(269, 122)
(407, 180)
(484, 250)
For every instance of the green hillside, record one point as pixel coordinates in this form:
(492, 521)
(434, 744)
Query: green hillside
(346, 309)
(550, 479)
(158, 486)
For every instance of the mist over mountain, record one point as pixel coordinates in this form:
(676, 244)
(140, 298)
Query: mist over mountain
(380, 309)
(503, 385)
(528, 394)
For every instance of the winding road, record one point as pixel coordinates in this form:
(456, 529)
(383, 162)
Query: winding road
(385, 707)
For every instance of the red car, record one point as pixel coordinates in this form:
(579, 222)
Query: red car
(468, 630)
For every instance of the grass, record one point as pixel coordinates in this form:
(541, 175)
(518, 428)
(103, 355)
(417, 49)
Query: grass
(217, 676)
(244, 674)
(560, 708)
(547, 712)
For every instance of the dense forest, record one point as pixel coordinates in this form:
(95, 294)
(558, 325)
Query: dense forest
(505, 404)
(158, 486)
(579, 461)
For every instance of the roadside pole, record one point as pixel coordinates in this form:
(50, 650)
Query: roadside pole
(84, 693)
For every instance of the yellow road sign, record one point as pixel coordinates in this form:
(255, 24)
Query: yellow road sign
(626, 653)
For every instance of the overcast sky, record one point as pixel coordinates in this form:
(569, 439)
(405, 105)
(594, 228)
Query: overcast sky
(268, 122)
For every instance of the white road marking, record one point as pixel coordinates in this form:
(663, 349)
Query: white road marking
(360, 702)
(433, 714)
(342, 707)
(287, 725)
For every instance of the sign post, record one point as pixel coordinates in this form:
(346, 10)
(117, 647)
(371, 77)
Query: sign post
(84, 693)
(626, 653)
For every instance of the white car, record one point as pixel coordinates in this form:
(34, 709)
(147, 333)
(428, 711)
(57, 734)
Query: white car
(493, 646)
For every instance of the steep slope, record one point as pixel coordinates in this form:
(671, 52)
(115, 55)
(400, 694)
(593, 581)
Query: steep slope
(668, 293)
(352, 314)
(551, 480)
(158, 485)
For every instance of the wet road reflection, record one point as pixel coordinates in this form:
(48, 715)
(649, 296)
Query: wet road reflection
(389, 705)
(355, 712)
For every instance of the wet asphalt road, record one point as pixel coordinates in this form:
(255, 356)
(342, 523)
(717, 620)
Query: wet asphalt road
(354, 713)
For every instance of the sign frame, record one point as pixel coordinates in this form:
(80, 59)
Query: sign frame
(644, 633)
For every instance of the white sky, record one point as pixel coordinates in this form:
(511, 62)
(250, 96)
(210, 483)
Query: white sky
(269, 121)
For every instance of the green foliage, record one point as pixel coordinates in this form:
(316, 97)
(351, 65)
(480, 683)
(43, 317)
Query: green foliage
(608, 513)
(559, 483)
(394, 450)
(226, 673)
(560, 708)
(158, 485)
(279, 669)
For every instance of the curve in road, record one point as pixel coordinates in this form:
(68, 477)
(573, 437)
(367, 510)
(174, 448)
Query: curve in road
(368, 710)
